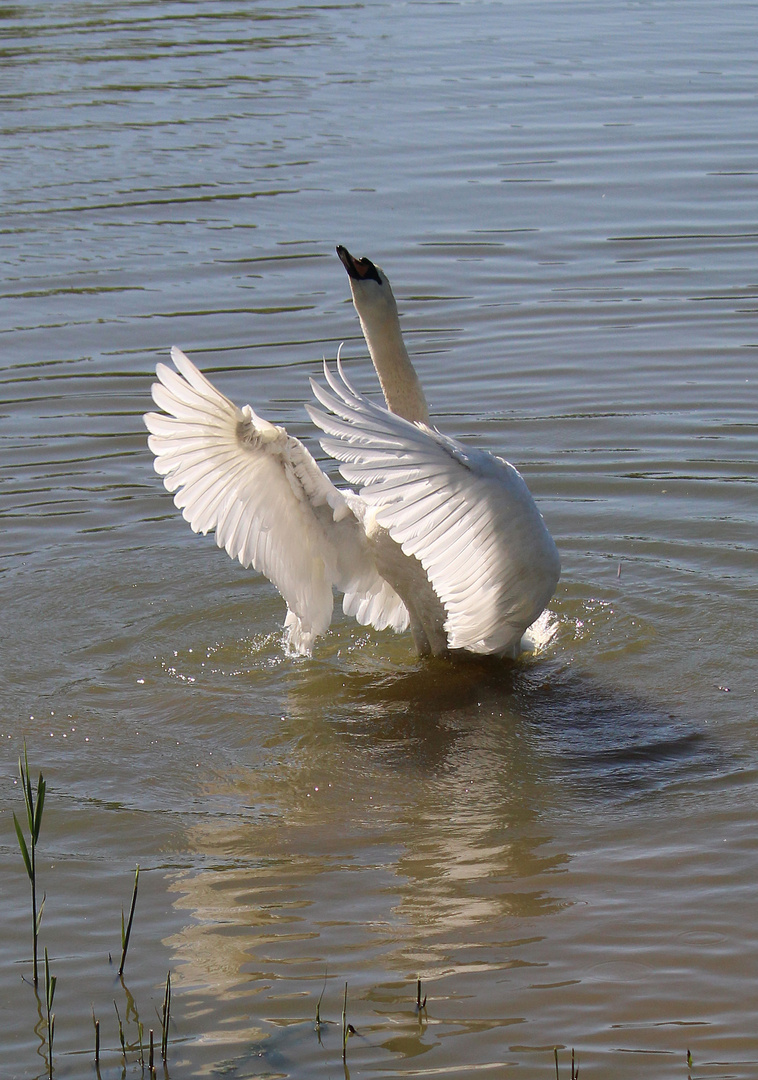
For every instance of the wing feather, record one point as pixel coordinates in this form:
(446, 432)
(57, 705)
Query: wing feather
(466, 515)
(270, 504)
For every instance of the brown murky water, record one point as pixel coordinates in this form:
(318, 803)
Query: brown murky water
(564, 851)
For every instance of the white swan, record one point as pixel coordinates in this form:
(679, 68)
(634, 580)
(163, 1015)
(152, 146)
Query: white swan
(438, 536)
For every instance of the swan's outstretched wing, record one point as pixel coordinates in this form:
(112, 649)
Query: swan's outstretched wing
(467, 516)
(270, 504)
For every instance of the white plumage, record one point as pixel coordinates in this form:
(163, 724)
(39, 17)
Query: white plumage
(437, 535)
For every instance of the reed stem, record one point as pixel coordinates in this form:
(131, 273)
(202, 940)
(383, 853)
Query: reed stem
(50, 984)
(126, 931)
(34, 808)
(344, 1025)
(166, 1018)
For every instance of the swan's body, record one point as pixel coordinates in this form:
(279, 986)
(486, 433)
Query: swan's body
(440, 537)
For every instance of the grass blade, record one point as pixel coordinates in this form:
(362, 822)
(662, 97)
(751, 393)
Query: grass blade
(96, 1022)
(126, 933)
(319, 1021)
(41, 789)
(24, 849)
(122, 1040)
(344, 1025)
(166, 1017)
(34, 809)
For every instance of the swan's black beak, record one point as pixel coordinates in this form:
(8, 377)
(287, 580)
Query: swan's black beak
(358, 269)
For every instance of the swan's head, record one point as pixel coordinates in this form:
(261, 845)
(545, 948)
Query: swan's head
(369, 285)
(377, 311)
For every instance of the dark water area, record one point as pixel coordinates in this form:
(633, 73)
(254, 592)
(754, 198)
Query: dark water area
(564, 849)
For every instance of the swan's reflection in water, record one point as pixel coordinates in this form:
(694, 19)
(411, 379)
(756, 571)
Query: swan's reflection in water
(409, 822)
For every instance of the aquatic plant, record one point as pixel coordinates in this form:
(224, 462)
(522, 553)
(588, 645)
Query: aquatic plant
(574, 1066)
(96, 1022)
(34, 808)
(419, 1003)
(166, 1017)
(319, 1021)
(127, 929)
(344, 1025)
(121, 1036)
(50, 984)
(140, 1033)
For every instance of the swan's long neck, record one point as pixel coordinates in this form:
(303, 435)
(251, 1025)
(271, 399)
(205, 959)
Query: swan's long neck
(399, 381)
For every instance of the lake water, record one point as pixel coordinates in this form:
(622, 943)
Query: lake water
(565, 850)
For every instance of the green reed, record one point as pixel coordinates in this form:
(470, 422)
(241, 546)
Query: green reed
(126, 928)
(165, 1018)
(34, 806)
(319, 1021)
(420, 1005)
(345, 1025)
(50, 984)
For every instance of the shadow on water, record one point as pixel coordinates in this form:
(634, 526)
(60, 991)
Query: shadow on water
(604, 741)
